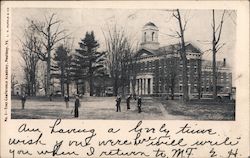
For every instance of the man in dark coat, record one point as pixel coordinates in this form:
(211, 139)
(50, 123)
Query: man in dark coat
(118, 103)
(23, 99)
(139, 104)
(66, 99)
(50, 96)
(128, 101)
(77, 105)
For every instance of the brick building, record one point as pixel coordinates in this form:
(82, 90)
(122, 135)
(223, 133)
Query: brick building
(224, 77)
(158, 70)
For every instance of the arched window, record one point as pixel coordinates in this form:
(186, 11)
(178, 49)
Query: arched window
(145, 37)
(153, 33)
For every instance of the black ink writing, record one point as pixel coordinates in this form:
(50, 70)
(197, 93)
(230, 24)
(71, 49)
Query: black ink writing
(19, 152)
(114, 142)
(225, 142)
(183, 152)
(24, 128)
(213, 153)
(92, 151)
(111, 130)
(188, 130)
(54, 129)
(139, 129)
(55, 151)
(14, 141)
(160, 153)
(232, 153)
(119, 152)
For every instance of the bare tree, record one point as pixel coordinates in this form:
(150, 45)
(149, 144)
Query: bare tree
(128, 67)
(216, 46)
(50, 34)
(13, 82)
(119, 51)
(132, 66)
(29, 46)
(173, 71)
(180, 34)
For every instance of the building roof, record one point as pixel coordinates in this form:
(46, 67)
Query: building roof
(219, 64)
(189, 47)
(169, 49)
(150, 24)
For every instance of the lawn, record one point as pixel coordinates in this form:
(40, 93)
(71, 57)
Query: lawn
(91, 108)
(104, 108)
(201, 110)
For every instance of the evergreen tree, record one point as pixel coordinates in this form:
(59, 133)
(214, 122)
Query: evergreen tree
(88, 63)
(62, 67)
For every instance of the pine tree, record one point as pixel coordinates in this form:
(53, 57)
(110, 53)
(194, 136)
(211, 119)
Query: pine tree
(88, 63)
(62, 67)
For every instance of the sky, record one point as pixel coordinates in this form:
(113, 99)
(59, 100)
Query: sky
(78, 21)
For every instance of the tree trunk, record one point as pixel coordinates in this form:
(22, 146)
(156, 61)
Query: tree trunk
(67, 88)
(48, 61)
(185, 80)
(77, 87)
(172, 92)
(91, 86)
(62, 86)
(214, 61)
(184, 60)
(48, 92)
(115, 85)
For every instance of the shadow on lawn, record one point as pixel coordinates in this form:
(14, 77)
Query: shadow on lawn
(201, 110)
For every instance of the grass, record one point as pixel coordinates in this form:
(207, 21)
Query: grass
(201, 110)
(104, 108)
(91, 108)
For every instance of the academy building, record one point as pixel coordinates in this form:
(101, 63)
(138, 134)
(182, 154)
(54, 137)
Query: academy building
(159, 69)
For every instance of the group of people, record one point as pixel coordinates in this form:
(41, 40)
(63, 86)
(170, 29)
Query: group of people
(78, 104)
(129, 97)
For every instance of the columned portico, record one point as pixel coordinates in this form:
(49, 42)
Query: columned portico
(143, 84)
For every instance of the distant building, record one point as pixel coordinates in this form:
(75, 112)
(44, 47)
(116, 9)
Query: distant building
(224, 77)
(158, 70)
(19, 89)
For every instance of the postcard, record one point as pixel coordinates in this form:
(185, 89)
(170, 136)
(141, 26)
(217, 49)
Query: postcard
(158, 79)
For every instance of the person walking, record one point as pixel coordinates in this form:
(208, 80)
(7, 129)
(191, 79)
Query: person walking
(66, 99)
(139, 104)
(77, 105)
(118, 103)
(128, 101)
(23, 99)
(50, 96)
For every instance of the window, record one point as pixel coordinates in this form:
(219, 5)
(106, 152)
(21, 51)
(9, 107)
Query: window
(195, 88)
(145, 35)
(181, 62)
(153, 33)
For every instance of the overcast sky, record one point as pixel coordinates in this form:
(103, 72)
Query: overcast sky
(78, 21)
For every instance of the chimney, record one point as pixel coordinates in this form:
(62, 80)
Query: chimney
(224, 62)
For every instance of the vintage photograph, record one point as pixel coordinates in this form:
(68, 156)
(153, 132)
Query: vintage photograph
(123, 64)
